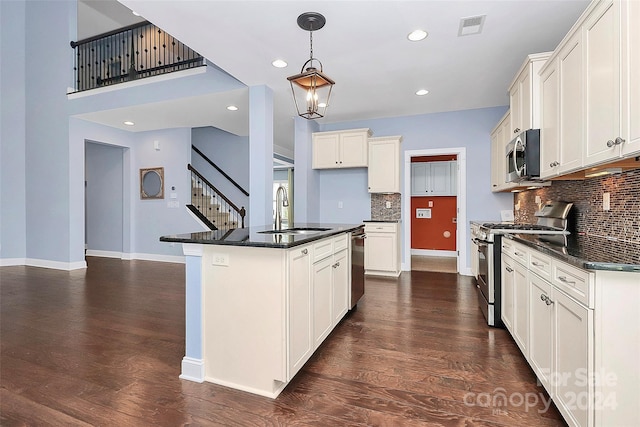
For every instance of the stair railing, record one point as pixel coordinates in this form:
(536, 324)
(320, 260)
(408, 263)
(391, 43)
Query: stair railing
(223, 173)
(213, 205)
(137, 51)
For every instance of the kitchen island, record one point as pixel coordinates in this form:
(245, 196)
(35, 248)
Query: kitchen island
(260, 301)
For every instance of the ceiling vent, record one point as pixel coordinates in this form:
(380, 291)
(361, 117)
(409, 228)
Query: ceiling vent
(471, 25)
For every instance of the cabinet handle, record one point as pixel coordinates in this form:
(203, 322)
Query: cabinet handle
(335, 265)
(305, 251)
(536, 264)
(619, 141)
(553, 164)
(516, 253)
(509, 269)
(516, 130)
(565, 280)
(548, 301)
(543, 297)
(610, 143)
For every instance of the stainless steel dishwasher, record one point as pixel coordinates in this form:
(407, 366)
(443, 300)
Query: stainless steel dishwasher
(357, 266)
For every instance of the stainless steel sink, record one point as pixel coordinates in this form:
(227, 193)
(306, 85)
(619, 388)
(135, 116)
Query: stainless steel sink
(295, 231)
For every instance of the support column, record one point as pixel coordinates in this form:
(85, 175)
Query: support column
(260, 155)
(193, 360)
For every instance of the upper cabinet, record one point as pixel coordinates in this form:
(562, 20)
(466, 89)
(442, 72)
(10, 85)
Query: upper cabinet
(434, 178)
(524, 95)
(341, 149)
(591, 91)
(384, 164)
(500, 137)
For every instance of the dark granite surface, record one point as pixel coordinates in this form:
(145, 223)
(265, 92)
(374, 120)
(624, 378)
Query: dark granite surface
(252, 237)
(394, 221)
(585, 251)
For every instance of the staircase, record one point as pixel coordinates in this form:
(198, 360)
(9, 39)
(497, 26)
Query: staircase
(211, 206)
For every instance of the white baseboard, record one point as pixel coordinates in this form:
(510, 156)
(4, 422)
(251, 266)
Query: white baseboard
(260, 392)
(56, 265)
(465, 272)
(192, 369)
(431, 252)
(8, 262)
(179, 259)
(103, 254)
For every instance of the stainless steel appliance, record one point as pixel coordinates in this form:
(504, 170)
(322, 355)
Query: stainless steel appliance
(553, 219)
(357, 266)
(523, 157)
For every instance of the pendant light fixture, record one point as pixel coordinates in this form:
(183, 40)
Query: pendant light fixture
(311, 88)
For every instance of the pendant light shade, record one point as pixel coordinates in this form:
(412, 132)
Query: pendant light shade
(311, 88)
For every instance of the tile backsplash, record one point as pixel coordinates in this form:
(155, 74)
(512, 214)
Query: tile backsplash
(379, 210)
(622, 221)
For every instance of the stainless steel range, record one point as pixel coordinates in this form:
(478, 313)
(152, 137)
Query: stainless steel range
(552, 220)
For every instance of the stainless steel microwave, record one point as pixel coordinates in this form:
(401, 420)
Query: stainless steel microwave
(523, 157)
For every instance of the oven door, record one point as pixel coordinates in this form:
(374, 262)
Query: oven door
(485, 269)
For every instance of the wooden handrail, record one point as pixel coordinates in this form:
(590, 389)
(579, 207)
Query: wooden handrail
(194, 148)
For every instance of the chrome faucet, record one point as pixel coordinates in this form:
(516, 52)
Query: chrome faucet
(281, 200)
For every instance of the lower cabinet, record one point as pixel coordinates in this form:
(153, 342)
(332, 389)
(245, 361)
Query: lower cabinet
(382, 248)
(580, 332)
(322, 277)
(301, 344)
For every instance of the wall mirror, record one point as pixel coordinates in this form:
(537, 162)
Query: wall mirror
(152, 183)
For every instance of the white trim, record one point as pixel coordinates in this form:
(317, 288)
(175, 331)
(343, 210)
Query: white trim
(192, 249)
(253, 390)
(56, 265)
(192, 369)
(103, 254)
(466, 272)
(9, 262)
(434, 253)
(461, 200)
(154, 257)
(138, 82)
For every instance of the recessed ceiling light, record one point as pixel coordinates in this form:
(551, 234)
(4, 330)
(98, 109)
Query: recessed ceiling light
(279, 63)
(129, 123)
(232, 108)
(417, 35)
(422, 92)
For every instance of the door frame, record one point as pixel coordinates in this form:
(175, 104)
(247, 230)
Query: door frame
(461, 201)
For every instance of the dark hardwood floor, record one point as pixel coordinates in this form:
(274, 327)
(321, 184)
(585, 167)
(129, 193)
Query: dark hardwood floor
(104, 347)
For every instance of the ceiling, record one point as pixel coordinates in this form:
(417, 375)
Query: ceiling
(364, 48)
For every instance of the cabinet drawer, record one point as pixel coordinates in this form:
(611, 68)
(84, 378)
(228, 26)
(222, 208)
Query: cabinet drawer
(540, 263)
(341, 242)
(520, 253)
(380, 227)
(508, 246)
(573, 281)
(322, 249)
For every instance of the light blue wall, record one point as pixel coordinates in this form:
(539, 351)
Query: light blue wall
(12, 131)
(104, 176)
(306, 181)
(346, 186)
(470, 129)
(260, 155)
(231, 153)
(48, 158)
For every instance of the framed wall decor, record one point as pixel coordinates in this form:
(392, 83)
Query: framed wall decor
(152, 183)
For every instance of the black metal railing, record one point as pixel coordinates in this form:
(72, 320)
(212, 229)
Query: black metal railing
(137, 51)
(216, 167)
(213, 205)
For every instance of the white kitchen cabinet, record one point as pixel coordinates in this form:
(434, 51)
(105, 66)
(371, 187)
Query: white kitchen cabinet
(602, 88)
(500, 137)
(340, 149)
(521, 307)
(562, 120)
(340, 286)
(382, 249)
(524, 95)
(322, 282)
(508, 276)
(573, 358)
(434, 178)
(384, 164)
(541, 330)
(630, 78)
(301, 344)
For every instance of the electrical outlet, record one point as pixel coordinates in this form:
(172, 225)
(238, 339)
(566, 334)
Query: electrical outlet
(606, 201)
(388, 205)
(340, 204)
(220, 259)
(538, 200)
(430, 203)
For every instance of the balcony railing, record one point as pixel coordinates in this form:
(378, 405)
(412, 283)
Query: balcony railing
(137, 51)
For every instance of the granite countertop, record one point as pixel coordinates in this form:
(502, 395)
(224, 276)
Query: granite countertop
(394, 221)
(586, 251)
(252, 237)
